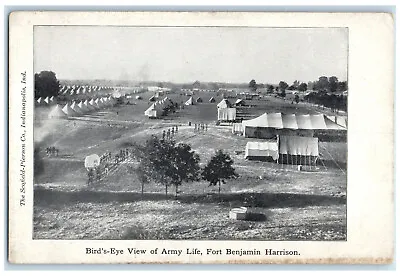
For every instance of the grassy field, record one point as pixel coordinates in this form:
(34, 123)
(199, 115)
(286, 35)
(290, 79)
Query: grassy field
(285, 204)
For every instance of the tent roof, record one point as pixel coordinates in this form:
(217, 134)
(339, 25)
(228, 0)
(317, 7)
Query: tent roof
(189, 102)
(224, 103)
(57, 112)
(83, 107)
(76, 108)
(69, 111)
(292, 121)
(239, 101)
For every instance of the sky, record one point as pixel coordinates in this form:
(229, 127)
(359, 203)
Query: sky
(187, 54)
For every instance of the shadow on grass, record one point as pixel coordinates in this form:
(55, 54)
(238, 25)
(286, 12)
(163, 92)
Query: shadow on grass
(44, 196)
(256, 217)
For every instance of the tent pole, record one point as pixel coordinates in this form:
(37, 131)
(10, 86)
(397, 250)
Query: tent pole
(287, 159)
(292, 160)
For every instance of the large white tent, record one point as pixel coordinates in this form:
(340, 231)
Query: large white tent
(296, 145)
(276, 123)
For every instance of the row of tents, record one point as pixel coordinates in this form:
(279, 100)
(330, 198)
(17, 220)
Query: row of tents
(81, 89)
(45, 101)
(192, 101)
(159, 108)
(78, 109)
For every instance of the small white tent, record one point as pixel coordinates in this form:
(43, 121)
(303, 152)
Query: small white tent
(89, 105)
(83, 107)
(262, 150)
(93, 103)
(190, 101)
(99, 103)
(76, 108)
(57, 112)
(69, 111)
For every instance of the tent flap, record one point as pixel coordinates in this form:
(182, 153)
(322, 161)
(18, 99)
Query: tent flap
(296, 145)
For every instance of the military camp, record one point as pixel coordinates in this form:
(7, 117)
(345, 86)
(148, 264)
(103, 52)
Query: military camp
(139, 142)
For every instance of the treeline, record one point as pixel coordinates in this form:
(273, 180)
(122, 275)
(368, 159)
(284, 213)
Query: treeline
(325, 84)
(332, 101)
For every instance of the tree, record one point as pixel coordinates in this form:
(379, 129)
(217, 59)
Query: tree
(302, 87)
(333, 84)
(297, 98)
(218, 169)
(270, 88)
(283, 86)
(196, 84)
(46, 84)
(322, 84)
(167, 163)
(342, 86)
(311, 85)
(253, 85)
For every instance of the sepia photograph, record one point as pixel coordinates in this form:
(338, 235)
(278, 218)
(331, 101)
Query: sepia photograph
(190, 133)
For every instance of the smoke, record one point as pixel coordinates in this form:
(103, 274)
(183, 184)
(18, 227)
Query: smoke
(143, 73)
(44, 129)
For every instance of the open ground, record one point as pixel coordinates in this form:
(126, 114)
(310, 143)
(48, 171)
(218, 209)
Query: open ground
(286, 204)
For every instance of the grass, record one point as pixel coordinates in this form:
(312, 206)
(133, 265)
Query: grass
(285, 204)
